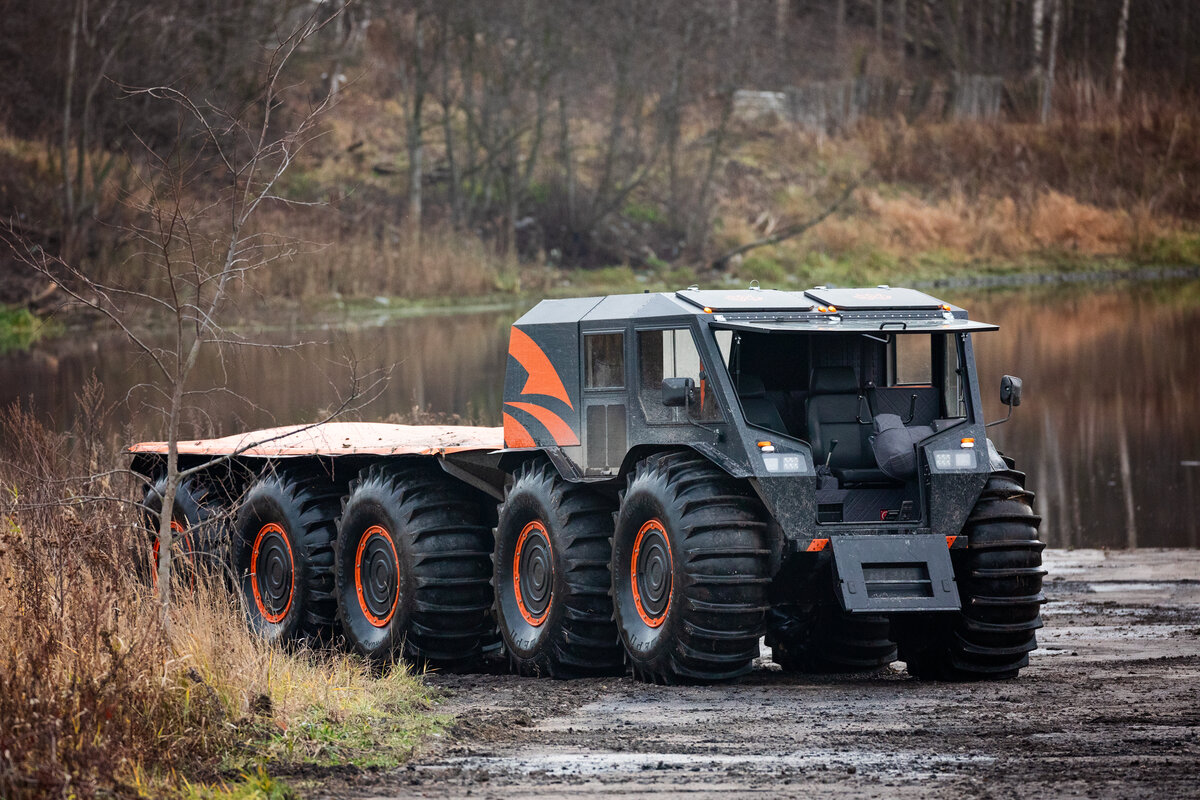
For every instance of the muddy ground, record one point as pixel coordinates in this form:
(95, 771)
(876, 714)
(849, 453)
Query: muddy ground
(1109, 708)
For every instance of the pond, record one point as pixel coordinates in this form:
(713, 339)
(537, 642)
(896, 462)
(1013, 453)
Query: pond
(1109, 428)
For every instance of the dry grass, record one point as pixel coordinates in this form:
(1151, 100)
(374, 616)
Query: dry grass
(945, 198)
(979, 228)
(369, 257)
(96, 699)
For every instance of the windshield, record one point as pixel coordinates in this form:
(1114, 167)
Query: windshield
(916, 376)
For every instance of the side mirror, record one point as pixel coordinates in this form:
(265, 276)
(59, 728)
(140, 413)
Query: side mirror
(677, 391)
(1010, 390)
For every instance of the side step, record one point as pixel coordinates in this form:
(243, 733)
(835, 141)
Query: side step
(893, 573)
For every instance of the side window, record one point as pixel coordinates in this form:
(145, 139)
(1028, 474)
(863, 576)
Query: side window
(671, 354)
(604, 357)
(912, 362)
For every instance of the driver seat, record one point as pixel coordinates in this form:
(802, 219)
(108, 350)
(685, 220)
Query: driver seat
(832, 412)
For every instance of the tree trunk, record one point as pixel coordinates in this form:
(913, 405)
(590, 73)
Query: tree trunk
(997, 29)
(1119, 61)
(1048, 83)
(878, 26)
(979, 38)
(447, 102)
(68, 189)
(839, 25)
(1039, 14)
(568, 157)
(901, 28)
(416, 149)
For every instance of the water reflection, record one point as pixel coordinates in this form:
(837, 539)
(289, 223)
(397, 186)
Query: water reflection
(446, 363)
(1108, 422)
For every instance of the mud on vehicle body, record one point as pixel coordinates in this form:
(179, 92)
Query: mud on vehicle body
(677, 476)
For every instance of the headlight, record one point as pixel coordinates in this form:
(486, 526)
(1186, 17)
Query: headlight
(953, 460)
(785, 462)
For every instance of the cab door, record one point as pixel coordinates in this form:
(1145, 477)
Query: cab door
(605, 423)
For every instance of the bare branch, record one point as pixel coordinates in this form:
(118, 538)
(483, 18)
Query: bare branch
(787, 232)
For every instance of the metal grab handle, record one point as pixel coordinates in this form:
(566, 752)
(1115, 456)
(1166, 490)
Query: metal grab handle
(903, 325)
(858, 417)
(912, 409)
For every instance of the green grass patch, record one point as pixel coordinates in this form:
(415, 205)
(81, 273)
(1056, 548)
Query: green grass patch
(255, 785)
(19, 329)
(361, 723)
(644, 212)
(1172, 250)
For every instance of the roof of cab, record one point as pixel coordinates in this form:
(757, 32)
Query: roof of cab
(692, 301)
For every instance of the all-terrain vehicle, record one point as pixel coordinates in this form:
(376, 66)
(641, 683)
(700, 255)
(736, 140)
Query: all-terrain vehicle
(678, 476)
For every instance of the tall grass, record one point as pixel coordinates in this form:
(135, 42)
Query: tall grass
(97, 699)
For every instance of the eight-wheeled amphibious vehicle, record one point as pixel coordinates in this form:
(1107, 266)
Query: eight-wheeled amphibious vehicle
(678, 475)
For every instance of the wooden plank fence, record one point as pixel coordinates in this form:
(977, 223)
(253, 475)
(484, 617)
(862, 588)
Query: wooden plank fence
(832, 106)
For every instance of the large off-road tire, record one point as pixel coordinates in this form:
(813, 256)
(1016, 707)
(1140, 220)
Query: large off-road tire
(690, 566)
(283, 554)
(551, 577)
(1000, 583)
(198, 540)
(823, 638)
(413, 568)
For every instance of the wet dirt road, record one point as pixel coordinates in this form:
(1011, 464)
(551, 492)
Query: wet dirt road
(1109, 708)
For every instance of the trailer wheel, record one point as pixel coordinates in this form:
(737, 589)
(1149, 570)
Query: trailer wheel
(827, 639)
(283, 555)
(689, 567)
(551, 577)
(1000, 581)
(413, 560)
(197, 536)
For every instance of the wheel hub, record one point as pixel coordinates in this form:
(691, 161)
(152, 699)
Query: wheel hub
(533, 573)
(650, 573)
(377, 576)
(272, 572)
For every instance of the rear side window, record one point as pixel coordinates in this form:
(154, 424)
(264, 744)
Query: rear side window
(913, 364)
(604, 360)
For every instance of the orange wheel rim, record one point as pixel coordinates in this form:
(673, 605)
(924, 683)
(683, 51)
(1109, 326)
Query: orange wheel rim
(189, 551)
(266, 543)
(650, 573)
(537, 572)
(382, 592)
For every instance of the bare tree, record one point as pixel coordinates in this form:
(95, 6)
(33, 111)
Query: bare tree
(200, 241)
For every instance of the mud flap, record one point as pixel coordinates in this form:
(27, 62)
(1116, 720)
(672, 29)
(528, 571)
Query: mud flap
(894, 573)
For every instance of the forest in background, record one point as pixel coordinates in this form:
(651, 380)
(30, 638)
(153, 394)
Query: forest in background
(520, 145)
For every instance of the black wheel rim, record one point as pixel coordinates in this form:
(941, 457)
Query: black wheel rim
(533, 573)
(272, 572)
(650, 573)
(377, 576)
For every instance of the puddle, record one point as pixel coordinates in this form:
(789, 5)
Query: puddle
(559, 763)
(1117, 586)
